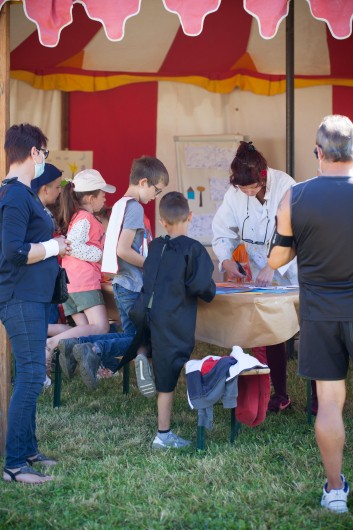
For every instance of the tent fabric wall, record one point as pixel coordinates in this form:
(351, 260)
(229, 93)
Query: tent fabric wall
(189, 110)
(40, 107)
(118, 125)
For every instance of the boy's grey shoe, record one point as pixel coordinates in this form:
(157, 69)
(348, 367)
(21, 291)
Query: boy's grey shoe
(67, 361)
(144, 376)
(88, 362)
(170, 440)
(336, 500)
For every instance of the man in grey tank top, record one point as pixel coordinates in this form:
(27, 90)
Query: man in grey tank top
(315, 222)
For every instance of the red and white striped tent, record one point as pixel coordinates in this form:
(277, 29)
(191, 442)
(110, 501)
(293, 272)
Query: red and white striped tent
(139, 72)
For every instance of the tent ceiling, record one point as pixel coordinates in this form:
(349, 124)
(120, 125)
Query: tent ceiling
(52, 16)
(229, 53)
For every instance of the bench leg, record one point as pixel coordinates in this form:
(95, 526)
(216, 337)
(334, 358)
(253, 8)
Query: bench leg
(126, 378)
(308, 401)
(57, 382)
(235, 426)
(200, 438)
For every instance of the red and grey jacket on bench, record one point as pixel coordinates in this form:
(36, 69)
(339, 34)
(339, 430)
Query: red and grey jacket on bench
(215, 378)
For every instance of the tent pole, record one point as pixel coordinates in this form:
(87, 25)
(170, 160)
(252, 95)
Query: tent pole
(5, 372)
(290, 90)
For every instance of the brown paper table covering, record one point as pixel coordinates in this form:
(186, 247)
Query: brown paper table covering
(248, 319)
(243, 319)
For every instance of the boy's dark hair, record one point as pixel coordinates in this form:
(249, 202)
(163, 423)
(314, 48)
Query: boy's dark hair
(248, 167)
(150, 168)
(174, 208)
(20, 139)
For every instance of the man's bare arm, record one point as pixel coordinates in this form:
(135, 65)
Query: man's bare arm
(280, 255)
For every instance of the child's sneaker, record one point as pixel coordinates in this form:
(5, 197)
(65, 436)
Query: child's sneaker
(88, 362)
(144, 377)
(67, 361)
(336, 500)
(279, 403)
(169, 440)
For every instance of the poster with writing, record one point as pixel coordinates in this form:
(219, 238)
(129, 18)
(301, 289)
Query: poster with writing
(203, 167)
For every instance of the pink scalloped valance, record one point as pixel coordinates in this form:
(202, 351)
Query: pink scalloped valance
(52, 16)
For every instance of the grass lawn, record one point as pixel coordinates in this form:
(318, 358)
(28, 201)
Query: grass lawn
(109, 477)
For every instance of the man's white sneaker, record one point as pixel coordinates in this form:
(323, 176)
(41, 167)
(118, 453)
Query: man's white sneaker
(336, 500)
(168, 441)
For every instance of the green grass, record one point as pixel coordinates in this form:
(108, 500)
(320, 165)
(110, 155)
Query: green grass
(109, 477)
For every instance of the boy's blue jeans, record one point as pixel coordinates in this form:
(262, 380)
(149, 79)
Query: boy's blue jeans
(26, 324)
(112, 345)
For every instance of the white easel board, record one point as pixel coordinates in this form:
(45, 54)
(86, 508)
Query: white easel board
(203, 167)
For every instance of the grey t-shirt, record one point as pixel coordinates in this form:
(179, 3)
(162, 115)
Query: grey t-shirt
(130, 276)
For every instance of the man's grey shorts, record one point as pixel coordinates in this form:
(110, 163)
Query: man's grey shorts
(324, 349)
(78, 302)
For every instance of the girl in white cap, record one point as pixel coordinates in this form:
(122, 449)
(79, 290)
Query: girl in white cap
(81, 200)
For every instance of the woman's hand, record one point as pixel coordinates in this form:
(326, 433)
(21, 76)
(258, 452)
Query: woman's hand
(64, 246)
(265, 277)
(232, 271)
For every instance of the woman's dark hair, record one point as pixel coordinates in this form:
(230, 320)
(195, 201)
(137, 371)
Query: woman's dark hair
(248, 167)
(20, 139)
(70, 203)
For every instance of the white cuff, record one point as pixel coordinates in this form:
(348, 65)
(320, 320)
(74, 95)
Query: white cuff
(51, 248)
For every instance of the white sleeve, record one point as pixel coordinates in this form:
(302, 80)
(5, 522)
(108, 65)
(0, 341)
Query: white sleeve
(79, 235)
(225, 227)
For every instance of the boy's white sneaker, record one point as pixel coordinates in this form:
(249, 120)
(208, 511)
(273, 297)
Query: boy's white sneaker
(170, 440)
(144, 376)
(336, 500)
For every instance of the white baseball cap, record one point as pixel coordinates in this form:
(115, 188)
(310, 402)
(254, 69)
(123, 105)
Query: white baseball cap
(91, 180)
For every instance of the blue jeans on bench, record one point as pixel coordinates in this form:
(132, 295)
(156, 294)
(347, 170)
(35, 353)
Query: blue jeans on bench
(112, 345)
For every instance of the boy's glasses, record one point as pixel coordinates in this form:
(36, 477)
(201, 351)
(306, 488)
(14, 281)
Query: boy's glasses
(44, 151)
(242, 230)
(157, 190)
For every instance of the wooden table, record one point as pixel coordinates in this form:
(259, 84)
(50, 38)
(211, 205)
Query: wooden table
(248, 319)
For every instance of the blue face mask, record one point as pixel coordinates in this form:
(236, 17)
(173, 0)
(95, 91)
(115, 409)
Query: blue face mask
(39, 168)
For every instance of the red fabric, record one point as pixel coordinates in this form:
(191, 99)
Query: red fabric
(72, 41)
(253, 398)
(216, 41)
(118, 125)
(192, 14)
(208, 365)
(268, 14)
(342, 98)
(337, 14)
(260, 353)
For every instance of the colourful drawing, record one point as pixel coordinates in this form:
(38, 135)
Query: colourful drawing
(200, 189)
(70, 162)
(190, 193)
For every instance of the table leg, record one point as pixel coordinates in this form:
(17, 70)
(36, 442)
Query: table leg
(200, 438)
(57, 381)
(308, 401)
(126, 378)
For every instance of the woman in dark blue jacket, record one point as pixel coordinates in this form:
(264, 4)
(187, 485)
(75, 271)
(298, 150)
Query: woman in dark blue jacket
(28, 269)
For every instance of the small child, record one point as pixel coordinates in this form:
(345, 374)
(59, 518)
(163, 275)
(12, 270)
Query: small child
(124, 254)
(177, 271)
(80, 201)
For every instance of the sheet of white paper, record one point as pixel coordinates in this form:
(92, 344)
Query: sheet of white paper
(208, 156)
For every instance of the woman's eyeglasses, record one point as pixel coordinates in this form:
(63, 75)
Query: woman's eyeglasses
(242, 230)
(44, 151)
